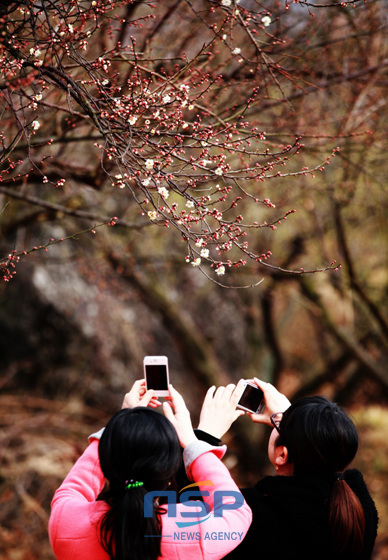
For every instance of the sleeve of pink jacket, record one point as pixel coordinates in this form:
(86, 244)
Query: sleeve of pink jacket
(74, 510)
(208, 537)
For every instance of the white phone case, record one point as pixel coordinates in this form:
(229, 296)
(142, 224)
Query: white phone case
(156, 374)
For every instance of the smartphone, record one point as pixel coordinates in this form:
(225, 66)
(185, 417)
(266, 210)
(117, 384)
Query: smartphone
(252, 399)
(156, 374)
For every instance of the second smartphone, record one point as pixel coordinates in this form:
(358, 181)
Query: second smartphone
(252, 399)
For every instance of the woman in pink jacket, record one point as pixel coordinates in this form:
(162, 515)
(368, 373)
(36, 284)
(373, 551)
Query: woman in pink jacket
(138, 454)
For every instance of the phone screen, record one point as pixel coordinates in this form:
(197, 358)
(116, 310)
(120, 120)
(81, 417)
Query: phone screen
(156, 377)
(251, 398)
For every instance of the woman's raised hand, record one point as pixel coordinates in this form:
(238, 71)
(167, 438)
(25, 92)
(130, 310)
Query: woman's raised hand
(274, 402)
(139, 396)
(179, 416)
(219, 409)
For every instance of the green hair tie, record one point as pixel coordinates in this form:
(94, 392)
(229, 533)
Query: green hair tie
(133, 484)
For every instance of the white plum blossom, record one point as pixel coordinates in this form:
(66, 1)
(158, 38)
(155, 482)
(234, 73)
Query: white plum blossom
(35, 52)
(237, 50)
(266, 21)
(167, 99)
(226, 2)
(163, 192)
(152, 215)
(200, 242)
(132, 120)
(205, 253)
(196, 262)
(35, 125)
(38, 97)
(149, 163)
(146, 182)
(190, 204)
(218, 171)
(220, 270)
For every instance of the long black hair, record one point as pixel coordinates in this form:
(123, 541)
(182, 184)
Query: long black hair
(321, 441)
(138, 444)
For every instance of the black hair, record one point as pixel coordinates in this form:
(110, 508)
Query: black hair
(319, 435)
(138, 444)
(321, 441)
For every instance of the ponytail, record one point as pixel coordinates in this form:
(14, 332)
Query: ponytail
(123, 527)
(346, 520)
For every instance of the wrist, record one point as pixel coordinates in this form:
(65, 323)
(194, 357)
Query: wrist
(188, 438)
(209, 430)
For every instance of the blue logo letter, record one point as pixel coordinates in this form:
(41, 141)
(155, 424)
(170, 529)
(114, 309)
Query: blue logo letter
(184, 499)
(219, 506)
(149, 502)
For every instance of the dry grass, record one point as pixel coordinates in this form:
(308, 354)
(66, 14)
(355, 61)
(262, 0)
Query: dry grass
(39, 442)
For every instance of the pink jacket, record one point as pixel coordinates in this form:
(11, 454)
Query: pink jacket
(73, 525)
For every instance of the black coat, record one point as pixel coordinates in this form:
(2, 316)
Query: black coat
(290, 519)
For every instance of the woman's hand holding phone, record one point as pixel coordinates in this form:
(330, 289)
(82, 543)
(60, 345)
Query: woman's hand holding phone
(219, 409)
(274, 402)
(176, 411)
(139, 396)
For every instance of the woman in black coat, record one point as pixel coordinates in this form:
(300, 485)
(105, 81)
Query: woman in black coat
(315, 508)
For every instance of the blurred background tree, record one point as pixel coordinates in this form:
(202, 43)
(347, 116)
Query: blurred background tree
(204, 180)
